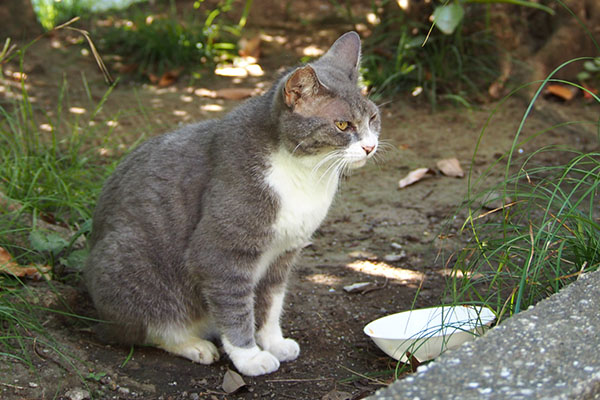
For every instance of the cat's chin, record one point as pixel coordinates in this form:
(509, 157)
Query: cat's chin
(357, 164)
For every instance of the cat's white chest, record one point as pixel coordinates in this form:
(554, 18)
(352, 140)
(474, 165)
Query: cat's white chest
(305, 195)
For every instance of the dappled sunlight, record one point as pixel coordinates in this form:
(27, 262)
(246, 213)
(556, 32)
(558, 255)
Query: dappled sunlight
(77, 110)
(324, 279)
(380, 268)
(312, 51)
(211, 107)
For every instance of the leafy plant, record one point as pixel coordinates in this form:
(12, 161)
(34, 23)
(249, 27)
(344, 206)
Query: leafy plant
(448, 16)
(155, 44)
(543, 236)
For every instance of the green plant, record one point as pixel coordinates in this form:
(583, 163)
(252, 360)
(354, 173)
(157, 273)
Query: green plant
(50, 175)
(155, 44)
(544, 234)
(404, 56)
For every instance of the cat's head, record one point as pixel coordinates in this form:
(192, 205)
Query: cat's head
(323, 112)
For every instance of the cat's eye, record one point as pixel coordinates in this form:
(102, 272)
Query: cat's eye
(342, 125)
(373, 117)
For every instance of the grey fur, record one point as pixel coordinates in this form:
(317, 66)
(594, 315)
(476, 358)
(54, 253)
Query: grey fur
(181, 223)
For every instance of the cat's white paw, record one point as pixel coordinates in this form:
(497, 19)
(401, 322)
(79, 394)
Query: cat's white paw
(282, 348)
(261, 363)
(196, 349)
(251, 361)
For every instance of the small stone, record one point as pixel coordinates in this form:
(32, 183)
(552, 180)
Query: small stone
(194, 396)
(395, 256)
(124, 390)
(33, 385)
(77, 394)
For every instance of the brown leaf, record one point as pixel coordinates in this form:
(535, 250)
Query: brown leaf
(9, 266)
(169, 77)
(250, 47)
(232, 381)
(414, 176)
(564, 92)
(450, 167)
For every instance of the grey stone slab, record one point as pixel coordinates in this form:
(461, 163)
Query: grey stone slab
(550, 351)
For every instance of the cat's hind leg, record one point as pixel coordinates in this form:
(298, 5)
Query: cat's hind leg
(183, 341)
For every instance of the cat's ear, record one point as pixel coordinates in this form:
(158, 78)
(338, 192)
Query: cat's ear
(301, 85)
(345, 53)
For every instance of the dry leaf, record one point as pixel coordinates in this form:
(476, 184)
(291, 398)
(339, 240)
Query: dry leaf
(414, 176)
(169, 77)
(451, 167)
(232, 381)
(563, 92)
(9, 266)
(250, 47)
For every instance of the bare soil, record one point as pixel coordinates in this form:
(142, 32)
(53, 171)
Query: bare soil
(371, 219)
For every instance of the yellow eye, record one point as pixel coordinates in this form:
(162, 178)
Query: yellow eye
(341, 125)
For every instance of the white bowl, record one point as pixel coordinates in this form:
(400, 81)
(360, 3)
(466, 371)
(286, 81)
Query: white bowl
(426, 333)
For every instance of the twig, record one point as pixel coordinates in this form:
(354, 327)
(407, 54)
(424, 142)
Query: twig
(377, 381)
(376, 287)
(293, 380)
(485, 214)
(12, 386)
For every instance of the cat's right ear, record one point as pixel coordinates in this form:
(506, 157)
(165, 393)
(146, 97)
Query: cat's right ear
(301, 85)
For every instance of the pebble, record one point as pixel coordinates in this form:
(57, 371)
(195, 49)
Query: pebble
(77, 394)
(124, 390)
(395, 256)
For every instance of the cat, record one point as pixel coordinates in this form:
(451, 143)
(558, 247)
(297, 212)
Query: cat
(196, 231)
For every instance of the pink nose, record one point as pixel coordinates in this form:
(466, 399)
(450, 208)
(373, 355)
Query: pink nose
(368, 149)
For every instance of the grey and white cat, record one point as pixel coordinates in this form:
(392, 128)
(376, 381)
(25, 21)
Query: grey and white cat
(196, 231)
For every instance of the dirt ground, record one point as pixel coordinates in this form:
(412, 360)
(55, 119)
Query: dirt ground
(375, 232)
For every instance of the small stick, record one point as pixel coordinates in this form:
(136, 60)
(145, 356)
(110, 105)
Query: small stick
(12, 386)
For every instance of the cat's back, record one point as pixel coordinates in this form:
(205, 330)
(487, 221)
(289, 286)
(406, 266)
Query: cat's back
(168, 172)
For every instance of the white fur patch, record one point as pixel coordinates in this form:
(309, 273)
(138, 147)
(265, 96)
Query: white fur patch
(270, 337)
(304, 195)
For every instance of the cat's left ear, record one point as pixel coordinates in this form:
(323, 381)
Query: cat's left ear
(345, 53)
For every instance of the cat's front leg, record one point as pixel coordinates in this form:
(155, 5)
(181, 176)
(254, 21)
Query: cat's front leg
(270, 295)
(230, 295)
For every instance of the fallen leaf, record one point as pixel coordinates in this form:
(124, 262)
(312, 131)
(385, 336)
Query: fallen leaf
(169, 77)
(451, 167)
(232, 381)
(414, 176)
(563, 92)
(250, 47)
(336, 395)
(356, 287)
(586, 93)
(9, 266)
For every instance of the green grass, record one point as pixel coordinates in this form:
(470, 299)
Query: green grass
(50, 176)
(154, 43)
(455, 67)
(546, 231)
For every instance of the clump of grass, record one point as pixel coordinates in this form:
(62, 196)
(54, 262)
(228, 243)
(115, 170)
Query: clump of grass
(154, 43)
(456, 66)
(50, 176)
(542, 236)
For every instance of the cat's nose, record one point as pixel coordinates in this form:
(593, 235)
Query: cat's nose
(368, 149)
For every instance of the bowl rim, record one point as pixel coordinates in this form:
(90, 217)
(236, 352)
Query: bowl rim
(427, 333)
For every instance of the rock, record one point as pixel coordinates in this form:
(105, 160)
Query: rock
(77, 394)
(394, 257)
